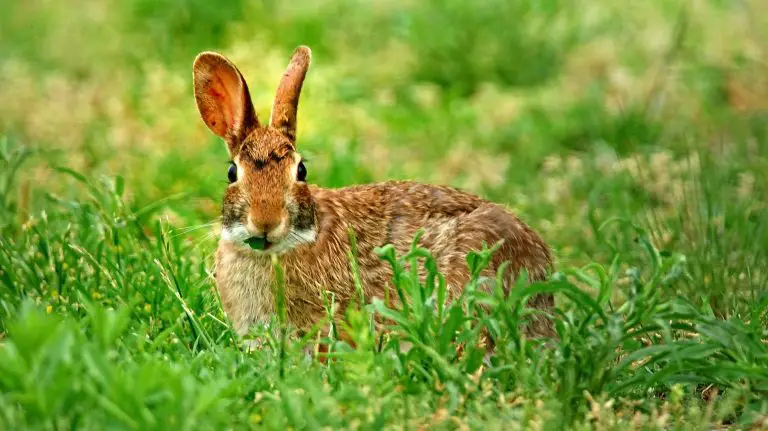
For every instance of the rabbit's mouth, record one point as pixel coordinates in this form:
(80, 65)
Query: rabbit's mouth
(268, 244)
(258, 243)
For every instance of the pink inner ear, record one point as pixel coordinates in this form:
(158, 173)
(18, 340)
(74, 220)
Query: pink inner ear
(223, 101)
(220, 93)
(219, 98)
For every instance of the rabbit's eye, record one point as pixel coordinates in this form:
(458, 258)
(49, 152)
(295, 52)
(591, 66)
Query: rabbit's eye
(301, 172)
(232, 173)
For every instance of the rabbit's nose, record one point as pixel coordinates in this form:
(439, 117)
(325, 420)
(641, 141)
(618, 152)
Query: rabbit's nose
(264, 227)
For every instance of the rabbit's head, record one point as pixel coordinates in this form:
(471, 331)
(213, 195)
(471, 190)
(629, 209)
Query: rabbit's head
(267, 201)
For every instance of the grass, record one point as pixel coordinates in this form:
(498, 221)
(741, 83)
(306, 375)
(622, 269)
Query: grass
(633, 138)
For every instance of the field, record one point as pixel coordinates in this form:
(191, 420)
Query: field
(633, 136)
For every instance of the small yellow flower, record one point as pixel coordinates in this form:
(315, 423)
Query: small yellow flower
(49, 309)
(147, 307)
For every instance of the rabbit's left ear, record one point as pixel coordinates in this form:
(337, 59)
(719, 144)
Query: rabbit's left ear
(286, 103)
(223, 99)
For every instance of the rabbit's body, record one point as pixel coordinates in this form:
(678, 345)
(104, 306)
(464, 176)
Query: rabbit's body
(269, 205)
(454, 223)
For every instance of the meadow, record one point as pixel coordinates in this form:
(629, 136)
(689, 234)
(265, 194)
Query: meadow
(633, 136)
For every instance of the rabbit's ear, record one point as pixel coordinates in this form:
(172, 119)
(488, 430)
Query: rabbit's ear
(287, 98)
(223, 99)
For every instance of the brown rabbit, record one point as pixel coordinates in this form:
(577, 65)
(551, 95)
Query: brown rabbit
(269, 201)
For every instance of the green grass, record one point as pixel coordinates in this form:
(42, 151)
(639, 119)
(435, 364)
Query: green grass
(632, 137)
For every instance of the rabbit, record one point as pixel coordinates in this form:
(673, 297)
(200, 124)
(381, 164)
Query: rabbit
(270, 201)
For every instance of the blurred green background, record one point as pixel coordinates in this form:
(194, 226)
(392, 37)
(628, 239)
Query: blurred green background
(572, 113)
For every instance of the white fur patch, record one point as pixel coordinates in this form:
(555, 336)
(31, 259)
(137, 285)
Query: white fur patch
(294, 239)
(235, 233)
(240, 170)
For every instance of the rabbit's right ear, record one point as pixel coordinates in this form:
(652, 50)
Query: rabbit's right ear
(223, 99)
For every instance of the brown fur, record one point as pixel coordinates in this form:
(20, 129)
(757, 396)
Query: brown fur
(270, 201)
(287, 98)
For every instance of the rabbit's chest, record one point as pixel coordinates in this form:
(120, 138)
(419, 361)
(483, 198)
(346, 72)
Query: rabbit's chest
(245, 286)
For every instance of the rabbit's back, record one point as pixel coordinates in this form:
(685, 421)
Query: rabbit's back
(454, 222)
